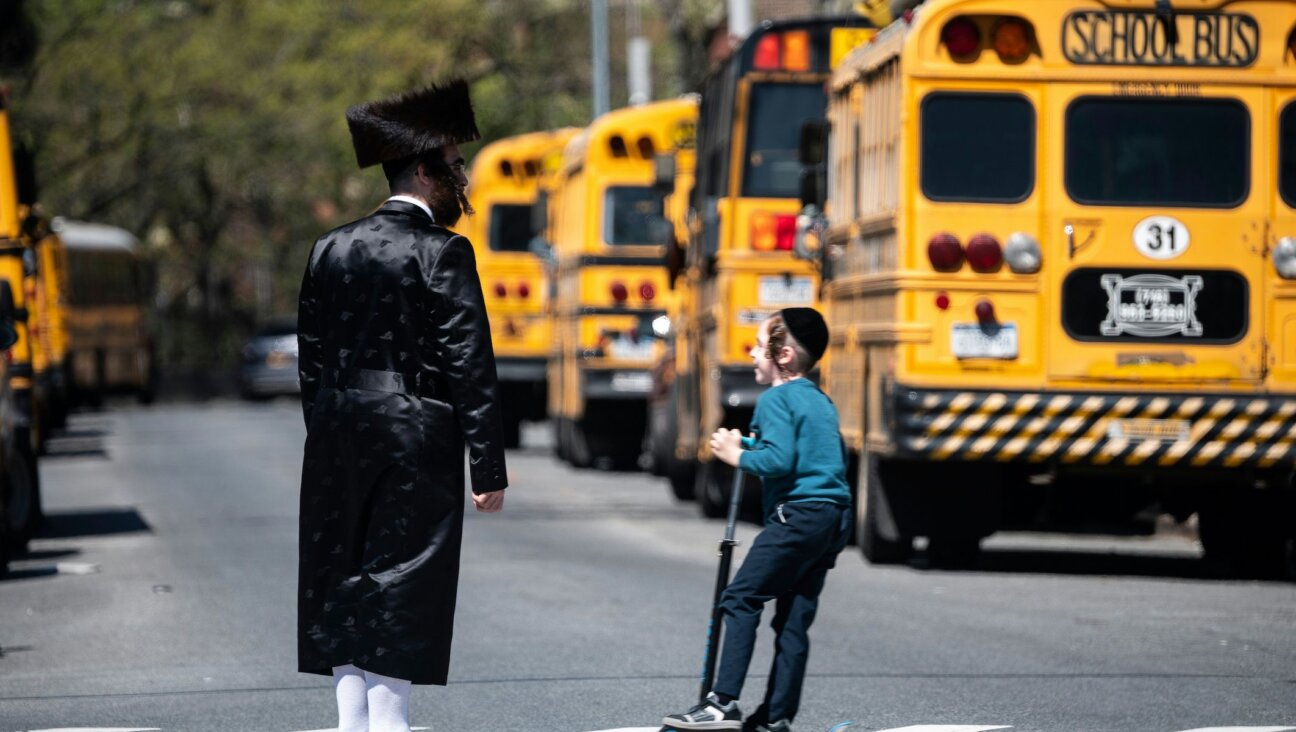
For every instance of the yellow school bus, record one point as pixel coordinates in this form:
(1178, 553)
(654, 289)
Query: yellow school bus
(502, 188)
(110, 346)
(1060, 270)
(739, 264)
(20, 497)
(606, 226)
(45, 287)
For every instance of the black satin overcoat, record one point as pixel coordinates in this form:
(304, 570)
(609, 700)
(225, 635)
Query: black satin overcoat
(397, 374)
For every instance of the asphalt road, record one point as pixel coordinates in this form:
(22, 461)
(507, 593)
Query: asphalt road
(161, 595)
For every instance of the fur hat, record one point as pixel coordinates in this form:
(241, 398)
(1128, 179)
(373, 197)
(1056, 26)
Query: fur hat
(412, 123)
(807, 326)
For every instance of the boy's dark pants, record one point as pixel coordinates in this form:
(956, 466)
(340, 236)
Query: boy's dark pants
(788, 563)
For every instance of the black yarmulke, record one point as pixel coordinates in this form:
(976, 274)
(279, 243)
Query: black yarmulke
(807, 326)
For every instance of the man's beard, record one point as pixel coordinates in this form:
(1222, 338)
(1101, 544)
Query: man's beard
(448, 203)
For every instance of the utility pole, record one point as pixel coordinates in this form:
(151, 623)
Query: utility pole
(638, 57)
(740, 18)
(599, 31)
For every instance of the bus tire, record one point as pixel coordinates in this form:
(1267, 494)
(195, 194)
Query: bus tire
(711, 488)
(878, 537)
(578, 446)
(512, 430)
(1243, 533)
(22, 500)
(682, 476)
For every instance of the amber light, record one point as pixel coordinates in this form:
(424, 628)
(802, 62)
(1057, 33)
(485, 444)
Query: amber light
(945, 252)
(962, 37)
(1011, 40)
(796, 51)
(984, 253)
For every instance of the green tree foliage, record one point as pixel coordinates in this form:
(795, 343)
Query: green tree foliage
(215, 128)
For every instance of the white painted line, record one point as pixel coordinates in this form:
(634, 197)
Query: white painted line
(99, 729)
(947, 728)
(1240, 729)
(79, 568)
(631, 729)
(334, 729)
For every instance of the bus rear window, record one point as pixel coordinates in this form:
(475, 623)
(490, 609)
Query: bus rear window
(632, 215)
(1287, 155)
(1164, 152)
(978, 147)
(510, 227)
(774, 121)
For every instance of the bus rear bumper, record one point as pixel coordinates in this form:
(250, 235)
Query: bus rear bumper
(616, 384)
(1112, 430)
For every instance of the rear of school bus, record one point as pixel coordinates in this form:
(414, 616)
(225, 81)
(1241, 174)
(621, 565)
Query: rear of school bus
(502, 188)
(740, 265)
(1063, 287)
(47, 287)
(608, 232)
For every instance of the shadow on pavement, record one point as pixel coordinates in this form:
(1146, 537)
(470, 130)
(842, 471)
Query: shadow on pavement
(66, 524)
(1082, 562)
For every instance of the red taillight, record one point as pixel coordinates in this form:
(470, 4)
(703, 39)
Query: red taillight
(523, 290)
(767, 53)
(619, 292)
(500, 290)
(647, 291)
(985, 312)
(1011, 40)
(784, 232)
(984, 254)
(942, 301)
(962, 37)
(945, 252)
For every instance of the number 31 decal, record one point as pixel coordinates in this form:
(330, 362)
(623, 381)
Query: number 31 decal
(1161, 237)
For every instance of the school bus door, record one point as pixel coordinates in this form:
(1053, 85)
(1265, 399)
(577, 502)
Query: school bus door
(1156, 268)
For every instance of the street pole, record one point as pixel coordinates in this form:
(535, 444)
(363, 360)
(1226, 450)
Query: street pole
(599, 30)
(638, 57)
(740, 18)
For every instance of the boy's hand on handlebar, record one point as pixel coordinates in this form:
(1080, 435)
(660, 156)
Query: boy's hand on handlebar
(727, 446)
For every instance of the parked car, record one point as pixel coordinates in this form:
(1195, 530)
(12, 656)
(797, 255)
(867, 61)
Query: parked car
(268, 361)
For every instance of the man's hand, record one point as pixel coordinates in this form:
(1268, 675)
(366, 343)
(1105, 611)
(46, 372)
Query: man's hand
(491, 502)
(727, 445)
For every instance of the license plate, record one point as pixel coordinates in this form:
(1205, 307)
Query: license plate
(971, 340)
(785, 290)
(1165, 430)
(637, 382)
(629, 350)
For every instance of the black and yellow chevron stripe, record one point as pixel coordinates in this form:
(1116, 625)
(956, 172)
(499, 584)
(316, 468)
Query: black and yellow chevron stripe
(1189, 430)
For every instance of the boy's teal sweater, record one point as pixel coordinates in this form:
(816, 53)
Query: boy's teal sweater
(797, 450)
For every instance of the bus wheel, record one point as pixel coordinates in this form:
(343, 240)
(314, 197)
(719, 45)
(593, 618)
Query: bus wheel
(22, 501)
(512, 431)
(875, 531)
(683, 476)
(711, 489)
(1242, 531)
(578, 447)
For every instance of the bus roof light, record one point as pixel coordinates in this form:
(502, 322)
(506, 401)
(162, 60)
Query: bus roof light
(1022, 253)
(767, 53)
(764, 231)
(785, 232)
(962, 37)
(945, 252)
(796, 51)
(1011, 39)
(984, 254)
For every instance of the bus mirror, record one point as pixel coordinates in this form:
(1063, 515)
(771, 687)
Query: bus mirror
(540, 214)
(664, 172)
(813, 188)
(814, 142)
(541, 248)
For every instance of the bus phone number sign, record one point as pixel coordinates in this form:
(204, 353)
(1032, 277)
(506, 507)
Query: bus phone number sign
(1151, 305)
(1148, 38)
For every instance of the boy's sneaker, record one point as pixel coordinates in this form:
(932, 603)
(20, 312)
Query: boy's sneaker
(709, 715)
(780, 726)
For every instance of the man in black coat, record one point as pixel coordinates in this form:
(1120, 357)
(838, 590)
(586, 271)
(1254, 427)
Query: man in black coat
(397, 375)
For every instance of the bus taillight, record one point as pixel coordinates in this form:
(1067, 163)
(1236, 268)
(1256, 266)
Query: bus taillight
(500, 290)
(619, 292)
(523, 290)
(945, 252)
(647, 291)
(773, 232)
(984, 254)
(962, 37)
